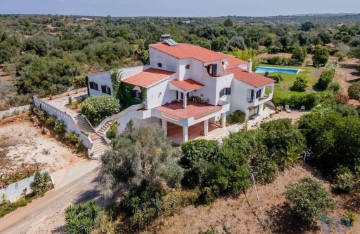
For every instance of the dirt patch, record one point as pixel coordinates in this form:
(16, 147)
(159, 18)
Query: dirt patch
(24, 144)
(269, 214)
(347, 73)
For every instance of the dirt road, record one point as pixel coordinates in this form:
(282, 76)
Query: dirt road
(77, 183)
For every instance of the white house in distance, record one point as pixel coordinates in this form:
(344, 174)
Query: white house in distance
(179, 72)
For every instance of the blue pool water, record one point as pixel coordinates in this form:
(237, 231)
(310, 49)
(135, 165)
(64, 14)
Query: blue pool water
(277, 70)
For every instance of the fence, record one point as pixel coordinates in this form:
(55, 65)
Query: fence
(68, 120)
(15, 191)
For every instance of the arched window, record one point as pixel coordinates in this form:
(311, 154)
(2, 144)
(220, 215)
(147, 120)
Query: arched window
(187, 67)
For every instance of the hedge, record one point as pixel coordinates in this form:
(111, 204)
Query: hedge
(309, 100)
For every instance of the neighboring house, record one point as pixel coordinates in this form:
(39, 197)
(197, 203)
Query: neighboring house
(179, 72)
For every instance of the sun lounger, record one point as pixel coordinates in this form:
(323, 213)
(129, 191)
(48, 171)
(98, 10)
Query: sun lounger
(287, 109)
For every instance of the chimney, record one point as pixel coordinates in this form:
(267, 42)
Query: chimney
(249, 66)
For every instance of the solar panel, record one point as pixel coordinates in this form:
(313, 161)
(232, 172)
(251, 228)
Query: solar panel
(170, 42)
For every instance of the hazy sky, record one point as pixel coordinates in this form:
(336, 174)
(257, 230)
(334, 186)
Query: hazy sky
(178, 8)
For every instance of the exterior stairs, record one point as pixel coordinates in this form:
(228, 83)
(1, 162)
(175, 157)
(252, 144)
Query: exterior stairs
(99, 147)
(102, 130)
(83, 124)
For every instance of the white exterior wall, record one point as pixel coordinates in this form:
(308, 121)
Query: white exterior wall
(104, 78)
(101, 79)
(238, 97)
(160, 94)
(169, 63)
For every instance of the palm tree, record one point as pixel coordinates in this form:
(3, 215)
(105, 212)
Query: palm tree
(290, 155)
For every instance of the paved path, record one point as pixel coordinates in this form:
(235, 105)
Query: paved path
(77, 183)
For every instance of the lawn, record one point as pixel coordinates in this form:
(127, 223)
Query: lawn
(282, 89)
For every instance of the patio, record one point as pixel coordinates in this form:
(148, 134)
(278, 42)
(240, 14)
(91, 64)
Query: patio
(175, 132)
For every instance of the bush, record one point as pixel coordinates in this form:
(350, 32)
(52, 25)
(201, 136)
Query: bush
(236, 117)
(321, 56)
(309, 200)
(299, 54)
(309, 100)
(50, 121)
(358, 68)
(111, 133)
(344, 179)
(325, 79)
(41, 183)
(59, 126)
(277, 60)
(352, 216)
(96, 109)
(300, 84)
(71, 137)
(198, 151)
(81, 218)
(354, 91)
(277, 77)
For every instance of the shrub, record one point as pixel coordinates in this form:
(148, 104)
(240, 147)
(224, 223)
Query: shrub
(300, 84)
(358, 68)
(111, 133)
(325, 79)
(344, 179)
(352, 216)
(41, 183)
(309, 100)
(59, 126)
(309, 200)
(73, 138)
(50, 121)
(277, 77)
(299, 54)
(81, 218)
(198, 151)
(321, 56)
(236, 117)
(354, 91)
(97, 109)
(264, 168)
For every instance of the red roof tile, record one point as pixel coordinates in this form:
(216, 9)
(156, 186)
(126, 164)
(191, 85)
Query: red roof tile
(232, 61)
(252, 78)
(194, 110)
(187, 85)
(184, 51)
(148, 77)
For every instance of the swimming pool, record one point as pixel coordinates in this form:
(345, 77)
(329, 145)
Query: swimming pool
(277, 70)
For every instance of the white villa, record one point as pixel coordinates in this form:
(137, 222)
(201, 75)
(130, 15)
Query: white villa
(179, 72)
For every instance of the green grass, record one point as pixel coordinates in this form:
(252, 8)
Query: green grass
(282, 89)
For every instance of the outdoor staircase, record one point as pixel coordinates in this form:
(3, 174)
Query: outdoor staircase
(99, 147)
(102, 130)
(83, 124)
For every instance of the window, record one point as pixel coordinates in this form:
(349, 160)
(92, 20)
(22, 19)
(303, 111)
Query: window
(212, 69)
(258, 93)
(187, 67)
(159, 64)
(225, 91)
(93, 85)
(105, 89)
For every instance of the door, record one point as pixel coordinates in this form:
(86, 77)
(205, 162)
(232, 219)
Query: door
(253, 111)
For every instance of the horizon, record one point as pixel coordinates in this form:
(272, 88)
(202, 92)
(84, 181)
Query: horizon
(187, 8)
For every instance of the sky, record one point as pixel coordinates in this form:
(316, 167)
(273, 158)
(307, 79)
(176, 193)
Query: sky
(176, 8)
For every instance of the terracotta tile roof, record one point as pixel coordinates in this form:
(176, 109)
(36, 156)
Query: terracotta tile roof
(232, 61)
(148, 77)
(184, 51)
(176, 112)
(252, 78)
(187, 85)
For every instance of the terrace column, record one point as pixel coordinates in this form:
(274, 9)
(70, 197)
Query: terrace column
(206, 127)
(223, 120)
(185, 101)
(164, 126)
(185, 134)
